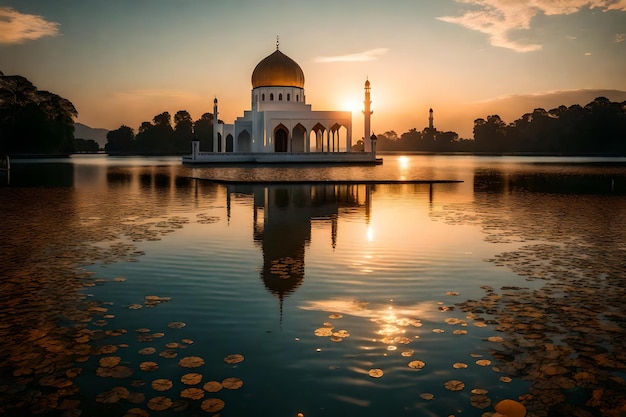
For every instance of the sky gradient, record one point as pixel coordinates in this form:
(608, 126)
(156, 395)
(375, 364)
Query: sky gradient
(123, 62)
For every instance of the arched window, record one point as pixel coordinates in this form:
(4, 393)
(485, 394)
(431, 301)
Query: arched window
(280, 97)
(271, 96)
(263, 97)
(288, 97)
(297, 97)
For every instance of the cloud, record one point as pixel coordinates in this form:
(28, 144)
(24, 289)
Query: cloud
(620, 37)
(369, 55)
(498, 18)
(16, 27)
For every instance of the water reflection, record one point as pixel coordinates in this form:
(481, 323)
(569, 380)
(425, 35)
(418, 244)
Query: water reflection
(283, 216)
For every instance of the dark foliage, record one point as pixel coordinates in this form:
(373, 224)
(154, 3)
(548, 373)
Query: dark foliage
(159, 137)
(599, 127)
(33, 121)
(86, 145)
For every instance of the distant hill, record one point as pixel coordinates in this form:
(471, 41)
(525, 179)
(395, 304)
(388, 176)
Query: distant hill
(82, 131)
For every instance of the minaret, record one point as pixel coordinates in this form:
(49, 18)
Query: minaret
(367, 112)
(215, 122)
(430, 119)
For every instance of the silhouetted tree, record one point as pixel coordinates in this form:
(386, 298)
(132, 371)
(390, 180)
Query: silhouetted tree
(86, 145)
(121, 140)
(203, 129)
(183, 131)
(34, 121)
(489, 134)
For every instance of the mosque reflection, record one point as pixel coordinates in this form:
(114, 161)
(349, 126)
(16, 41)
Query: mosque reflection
(283, 217)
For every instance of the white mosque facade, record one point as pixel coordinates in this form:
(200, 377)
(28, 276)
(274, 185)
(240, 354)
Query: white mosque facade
(281, 127)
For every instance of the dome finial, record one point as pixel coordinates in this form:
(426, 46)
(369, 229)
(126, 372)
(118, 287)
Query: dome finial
(277, 42)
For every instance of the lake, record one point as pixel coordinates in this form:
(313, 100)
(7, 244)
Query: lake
(134, 287)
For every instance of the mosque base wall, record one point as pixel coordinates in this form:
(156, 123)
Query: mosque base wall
(362, 158)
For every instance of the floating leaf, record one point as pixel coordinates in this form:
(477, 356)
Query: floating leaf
(142, 330)
(162, 384)
(335, 316)
(107, 397)
(232, 383)
(480, 401)
(408, 353)
(212, 386)
(136, 397)
(212, 405)
(176, 325)
(136, 412)
(505, 379)
(416, 364)
(107, 349)
(510, 408)
(119, 279)
(454, 385)
(341, 333)
(375, 373)
(460, 365)
(495, 339)
(192, 393)
(109, 361)
(147, 351)
(121, 392)
(159, 403)
(191, 379)
(233, 358)
(323, 332)
(173, 345)
(459, 332)
(483, 362)
(168, 354)
(452, 320)
(452, 293)
(148, 366)
(479, 391)
(438, 330)
(187, 341)
(191, 362)
(427, 396)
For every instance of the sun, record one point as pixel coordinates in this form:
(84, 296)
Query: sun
(351, 104)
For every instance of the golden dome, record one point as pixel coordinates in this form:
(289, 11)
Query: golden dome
(277, 70)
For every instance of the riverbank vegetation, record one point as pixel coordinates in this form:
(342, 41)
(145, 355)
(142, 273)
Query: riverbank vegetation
(34, 121)
(39, 122)
(160, 137)
(596, 128)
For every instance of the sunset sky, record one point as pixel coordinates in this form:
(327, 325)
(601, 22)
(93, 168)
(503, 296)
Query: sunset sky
(123, 62)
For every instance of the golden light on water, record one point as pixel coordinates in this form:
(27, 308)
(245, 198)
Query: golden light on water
(370, 233)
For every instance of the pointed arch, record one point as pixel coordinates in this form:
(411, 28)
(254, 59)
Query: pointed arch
(318, 142)
(281, 139)
(229, 143)
(243, 141)
(298, 138)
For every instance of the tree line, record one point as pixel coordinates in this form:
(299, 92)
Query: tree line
(34, 121)
(598, 127)
(160, 137)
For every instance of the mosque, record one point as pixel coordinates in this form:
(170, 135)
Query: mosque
(282, 128)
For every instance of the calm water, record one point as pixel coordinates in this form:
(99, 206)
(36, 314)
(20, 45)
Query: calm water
(127, 254)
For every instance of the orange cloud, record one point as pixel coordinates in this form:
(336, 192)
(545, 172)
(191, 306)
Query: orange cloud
(370, 55)
(497, 18)
(16, 27)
